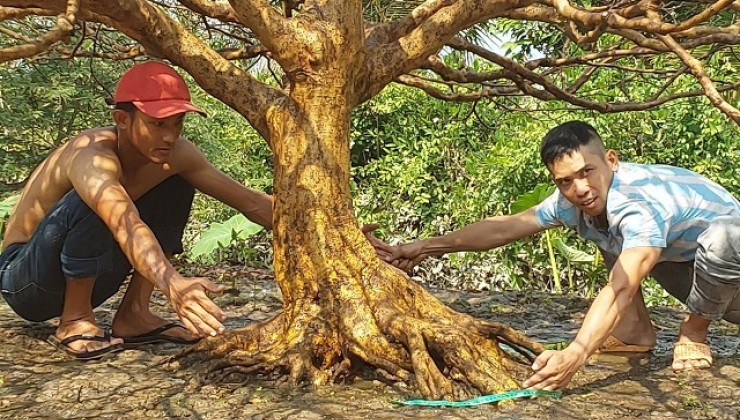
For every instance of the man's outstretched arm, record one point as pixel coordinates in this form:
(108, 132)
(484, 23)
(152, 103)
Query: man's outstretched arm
(200, 173)
(483, 235)
(556, 368)
(95, 175)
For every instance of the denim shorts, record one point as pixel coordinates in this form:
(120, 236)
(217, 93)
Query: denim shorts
(72, 242)
(709, 285)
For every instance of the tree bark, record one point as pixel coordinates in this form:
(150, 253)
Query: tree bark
(342, 305)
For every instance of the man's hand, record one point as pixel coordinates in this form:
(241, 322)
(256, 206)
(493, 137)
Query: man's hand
(381, 248)
(194, 308)
(405, 256)
(555, 369)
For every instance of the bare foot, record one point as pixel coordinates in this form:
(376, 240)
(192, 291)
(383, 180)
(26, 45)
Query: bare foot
(128, 324)
(691, 351)
(85, 328)
(635, 327)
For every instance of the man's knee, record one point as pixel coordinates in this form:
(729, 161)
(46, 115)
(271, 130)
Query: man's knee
(718, 253)
(716, 288)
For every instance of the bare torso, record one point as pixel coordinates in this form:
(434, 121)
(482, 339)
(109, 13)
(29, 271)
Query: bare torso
(50, 180)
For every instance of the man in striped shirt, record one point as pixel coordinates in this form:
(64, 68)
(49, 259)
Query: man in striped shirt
(658, 220)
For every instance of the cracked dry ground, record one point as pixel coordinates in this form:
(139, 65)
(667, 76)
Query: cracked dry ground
(36, 381)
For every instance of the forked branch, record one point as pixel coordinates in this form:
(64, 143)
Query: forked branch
(62, 29)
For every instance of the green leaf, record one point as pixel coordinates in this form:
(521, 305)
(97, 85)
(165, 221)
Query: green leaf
(241, 227)
(572, 254)
(220, 235)
(217, 236)
(532, 198)
(6, 206)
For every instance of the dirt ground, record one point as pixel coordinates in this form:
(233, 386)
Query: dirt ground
(37, 381)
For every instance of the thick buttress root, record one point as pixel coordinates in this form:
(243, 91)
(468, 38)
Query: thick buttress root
(387, 322)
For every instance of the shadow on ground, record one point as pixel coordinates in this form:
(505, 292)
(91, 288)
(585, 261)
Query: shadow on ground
(36, 381)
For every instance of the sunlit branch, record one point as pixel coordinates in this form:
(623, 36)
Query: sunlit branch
(588, 58)
(220, 9)
(424, 11)
(527, 80)
(723, 37)
(582, 79)
(702, 31)
(64, 25)
(614, 20)
(594, 21)
(627, 69)
(265, 22)
(7, 13)
(436, 65)
(126, 54)
(591, 36)
(734, 6)
(706, 83)
(527, 89)
(427, 87)
(388, 61)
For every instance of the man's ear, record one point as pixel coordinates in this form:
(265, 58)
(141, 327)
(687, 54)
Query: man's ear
(612, 159)
(121, 118)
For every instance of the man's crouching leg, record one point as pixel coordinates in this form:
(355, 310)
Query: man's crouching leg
(715, 292)
(165, 209)
(55, 272)
(634, 333)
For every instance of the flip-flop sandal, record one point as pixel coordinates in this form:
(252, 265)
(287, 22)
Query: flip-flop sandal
(157, 336)
(688, 351)
(63, 344)
(614, 345)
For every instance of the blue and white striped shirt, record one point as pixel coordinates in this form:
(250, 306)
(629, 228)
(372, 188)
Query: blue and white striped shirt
(647, 205)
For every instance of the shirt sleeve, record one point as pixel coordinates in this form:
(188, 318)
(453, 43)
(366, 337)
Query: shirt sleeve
(549, 210)
(642, 224)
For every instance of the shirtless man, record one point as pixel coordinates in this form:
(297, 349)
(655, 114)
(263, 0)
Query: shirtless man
(112, 199)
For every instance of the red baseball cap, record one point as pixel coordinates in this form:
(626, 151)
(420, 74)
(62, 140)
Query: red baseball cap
(156, 89)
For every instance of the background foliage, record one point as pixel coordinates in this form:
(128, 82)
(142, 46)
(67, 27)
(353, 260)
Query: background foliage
(421, 166)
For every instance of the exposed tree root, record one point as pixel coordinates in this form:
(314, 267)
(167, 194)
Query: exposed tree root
(392, 325)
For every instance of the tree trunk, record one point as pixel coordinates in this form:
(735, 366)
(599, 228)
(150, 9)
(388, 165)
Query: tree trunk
(342, 305)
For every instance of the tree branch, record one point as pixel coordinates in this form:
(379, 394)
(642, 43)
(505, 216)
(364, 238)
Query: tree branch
(615, 20)
(526, 79)
(388, 61)
(163, 37)
(265, 22)
(216, 9)
(697, 69)
(388, 32)
(64, 25)
(7, 13)
(435, 64)
(428, 88)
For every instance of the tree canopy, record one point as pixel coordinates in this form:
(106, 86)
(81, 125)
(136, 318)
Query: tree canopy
(563, 45)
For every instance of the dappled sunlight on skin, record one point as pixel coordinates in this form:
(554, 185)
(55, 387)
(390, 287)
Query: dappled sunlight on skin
(48, 183)
(110, 168)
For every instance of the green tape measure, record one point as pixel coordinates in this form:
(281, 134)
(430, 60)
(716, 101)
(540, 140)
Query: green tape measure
(484, 399)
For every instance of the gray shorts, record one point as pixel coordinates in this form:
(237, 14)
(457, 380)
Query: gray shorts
(709, 285)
